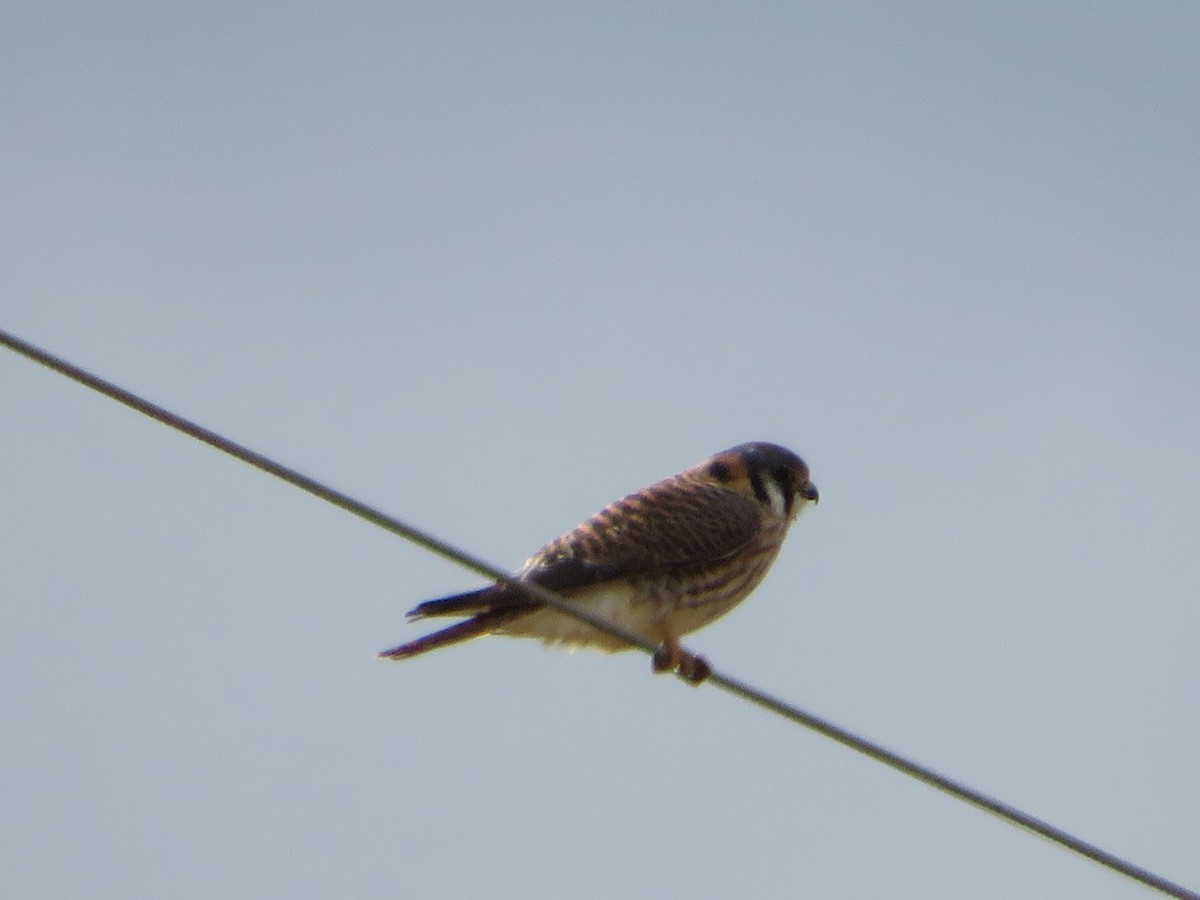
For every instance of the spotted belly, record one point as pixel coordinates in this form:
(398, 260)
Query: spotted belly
(652, 607)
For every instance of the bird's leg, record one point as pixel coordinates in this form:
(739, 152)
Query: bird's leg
(694, 669)
(670, 657)
(665, 659)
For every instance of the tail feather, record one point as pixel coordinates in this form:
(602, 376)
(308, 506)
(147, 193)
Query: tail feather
(484, 623)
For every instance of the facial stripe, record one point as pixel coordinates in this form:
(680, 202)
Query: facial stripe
(760, 490)
(720, 470)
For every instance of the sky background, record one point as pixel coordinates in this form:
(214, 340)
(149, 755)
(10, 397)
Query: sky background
(492, 266)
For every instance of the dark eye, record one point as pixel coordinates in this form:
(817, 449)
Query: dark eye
(782, 476)
(720, 471)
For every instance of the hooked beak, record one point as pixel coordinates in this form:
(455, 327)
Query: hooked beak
(810, 492)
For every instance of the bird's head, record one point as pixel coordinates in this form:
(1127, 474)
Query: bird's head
(773, 475)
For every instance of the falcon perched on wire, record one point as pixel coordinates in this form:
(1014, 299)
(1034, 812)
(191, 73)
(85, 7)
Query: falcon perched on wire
(661, 563)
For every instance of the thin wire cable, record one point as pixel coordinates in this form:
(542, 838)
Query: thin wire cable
(728, 683)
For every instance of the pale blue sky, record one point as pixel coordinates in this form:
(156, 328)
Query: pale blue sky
(490, 267)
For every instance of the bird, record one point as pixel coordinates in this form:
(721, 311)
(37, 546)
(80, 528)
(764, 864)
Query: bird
(662, 562)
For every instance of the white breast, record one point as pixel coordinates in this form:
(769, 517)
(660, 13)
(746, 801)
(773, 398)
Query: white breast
(618, 602)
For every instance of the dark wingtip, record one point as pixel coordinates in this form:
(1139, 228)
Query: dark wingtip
(395, 653)
(464, 604)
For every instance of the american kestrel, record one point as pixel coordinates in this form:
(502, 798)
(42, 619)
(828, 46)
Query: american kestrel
(661, 563)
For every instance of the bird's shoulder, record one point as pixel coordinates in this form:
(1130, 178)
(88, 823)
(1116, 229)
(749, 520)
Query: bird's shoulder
(675, 524)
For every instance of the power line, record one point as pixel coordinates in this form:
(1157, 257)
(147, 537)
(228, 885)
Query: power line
(728, 683)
